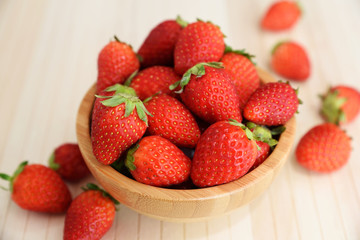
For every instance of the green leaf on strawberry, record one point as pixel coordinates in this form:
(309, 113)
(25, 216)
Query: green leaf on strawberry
(129, 162)
(181, 21)
(249, 56)
(130, 101)
(198, 70)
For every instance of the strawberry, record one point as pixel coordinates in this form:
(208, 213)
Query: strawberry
(198, 42)
(90, 215)
(272, 104)
(38, 188)
(341, 104)
(152, 80)
(324, 148)
(281, 15)
(291, 61)
(158, 47)
(172, 120)
(116, 62)
(265, 141)
(156, 161)
(115, 123)
(223, 154)
(68, 162)
(243, 73)
(209, 93)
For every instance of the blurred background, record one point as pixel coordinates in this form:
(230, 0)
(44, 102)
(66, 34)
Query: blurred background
(48, 60)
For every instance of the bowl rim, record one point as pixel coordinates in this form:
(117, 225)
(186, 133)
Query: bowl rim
(275, 160)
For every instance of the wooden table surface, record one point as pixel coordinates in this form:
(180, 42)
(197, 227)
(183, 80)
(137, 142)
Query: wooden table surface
(48, 55)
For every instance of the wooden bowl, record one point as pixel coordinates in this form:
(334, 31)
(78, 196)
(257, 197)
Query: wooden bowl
(182, 205)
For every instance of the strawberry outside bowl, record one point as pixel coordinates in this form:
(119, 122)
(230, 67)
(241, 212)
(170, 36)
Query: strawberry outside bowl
(178, 204)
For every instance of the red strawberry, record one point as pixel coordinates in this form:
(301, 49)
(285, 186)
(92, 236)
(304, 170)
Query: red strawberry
(209, 93)
(38, 188)
(198, 42)
(242, 71)
(223, 154)
(158, 47)
(116, 62)
(341, 104)
(290, 60)
(90, 215)
(152, 80)
(156, 161)
(272, 104)
(172, 120)
(324, 148)
(115, 123)
(68, 162)
(281, 15)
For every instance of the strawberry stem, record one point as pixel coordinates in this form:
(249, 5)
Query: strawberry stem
(130, 78)
(130, 101)
(331, 107)
(242, 52)
(92, 186)
(181, 21)
(52, 164)
(118, 88)
(198, 70)
(129, 162)
(11, 179)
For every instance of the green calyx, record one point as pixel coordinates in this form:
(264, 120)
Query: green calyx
(127, 96)
(273, 50)
(129, 161)
(264, 134)
(181, 22)
(331, 107)
(118, 40)
(118, 88)
(248, 132)
(92, 186)
(52, 164)
(130, 78)
(198, 70)
(11, 179)
(242, 52)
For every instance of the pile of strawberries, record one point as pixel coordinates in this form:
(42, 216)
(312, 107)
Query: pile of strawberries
(185, 111)
(185, 91)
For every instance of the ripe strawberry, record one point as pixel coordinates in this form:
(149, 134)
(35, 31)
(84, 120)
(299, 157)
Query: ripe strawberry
(115, 123)
(208, 92)
(324, 148)
(242, 71)
(158, 47)
(152, 80)
(223, 154)
(272, 104)
(116, 62)
(38, 188)
(290, 60)
(68, 162)
(198, 42)
(172, 120)
(281, 15)
(341, 104)
(90, 215)
(156, 161)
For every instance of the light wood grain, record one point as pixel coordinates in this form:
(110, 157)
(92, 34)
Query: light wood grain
(183, 205)
(48, 62)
